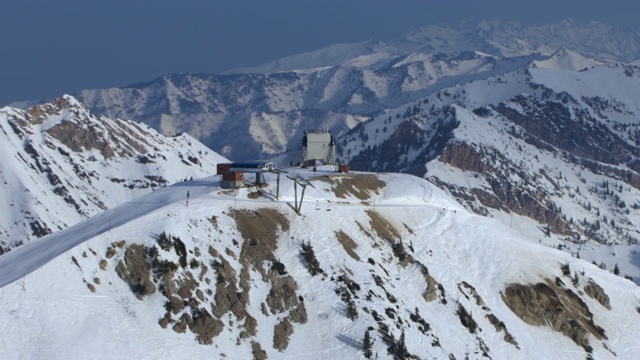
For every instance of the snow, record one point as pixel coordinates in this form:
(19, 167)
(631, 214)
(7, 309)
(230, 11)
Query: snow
(46, 303)
(565, 59)
(42, 182)
(49, 312)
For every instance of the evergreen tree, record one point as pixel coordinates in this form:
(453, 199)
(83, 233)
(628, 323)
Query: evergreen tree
(164, 241)
(310, 257)
(401, 350)
(616, 270)
(366, 346)
(352, 312)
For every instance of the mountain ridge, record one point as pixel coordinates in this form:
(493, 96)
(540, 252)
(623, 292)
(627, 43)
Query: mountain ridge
(416, 280)
(63, 163)
(247, 116)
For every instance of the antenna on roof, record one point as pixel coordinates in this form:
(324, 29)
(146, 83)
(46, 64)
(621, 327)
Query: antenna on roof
(309, 123)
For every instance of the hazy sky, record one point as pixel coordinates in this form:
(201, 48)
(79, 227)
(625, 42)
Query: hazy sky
(53, 47)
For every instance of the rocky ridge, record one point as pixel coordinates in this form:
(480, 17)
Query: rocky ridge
(63, 163)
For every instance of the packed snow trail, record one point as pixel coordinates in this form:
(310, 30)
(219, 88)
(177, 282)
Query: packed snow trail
(31, 256)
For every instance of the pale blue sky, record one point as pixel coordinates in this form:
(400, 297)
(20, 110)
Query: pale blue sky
(55, 47)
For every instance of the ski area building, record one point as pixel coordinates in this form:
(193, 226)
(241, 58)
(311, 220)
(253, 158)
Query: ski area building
(319, 148)
(233, 173)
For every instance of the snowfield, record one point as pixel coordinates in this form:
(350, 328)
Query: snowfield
(62, 298)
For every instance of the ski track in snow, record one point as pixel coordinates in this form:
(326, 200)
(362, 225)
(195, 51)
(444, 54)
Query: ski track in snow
(31, 256)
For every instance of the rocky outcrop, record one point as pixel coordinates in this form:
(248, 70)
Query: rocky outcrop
(135, 271)
(362, 186)
(259, 231)
(547, 304)
(596, 292)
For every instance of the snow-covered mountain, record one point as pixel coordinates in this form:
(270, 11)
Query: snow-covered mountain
(552, 152)
(264, 111)
(61, 164)
(502, 38)
(429, 100)
(380, 261)
(247, 116)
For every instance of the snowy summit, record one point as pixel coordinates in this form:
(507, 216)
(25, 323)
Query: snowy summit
(239, 274)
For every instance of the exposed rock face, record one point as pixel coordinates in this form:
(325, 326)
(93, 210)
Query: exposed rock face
(383, 228)
(258, 353)
(205, 327)
(595, 291)
(500, 326)
(281, 333)
(362, 186)
(546, 304)
(135, 271)
(259, 231)
(348, 244)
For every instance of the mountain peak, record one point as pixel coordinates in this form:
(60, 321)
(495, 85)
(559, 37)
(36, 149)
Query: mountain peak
(61, 163)
(565, 59)
(55, 110)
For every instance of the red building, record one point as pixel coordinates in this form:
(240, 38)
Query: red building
(232, 179)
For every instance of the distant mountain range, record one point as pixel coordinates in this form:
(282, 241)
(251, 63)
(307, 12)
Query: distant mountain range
(551, 152)
(263, 111)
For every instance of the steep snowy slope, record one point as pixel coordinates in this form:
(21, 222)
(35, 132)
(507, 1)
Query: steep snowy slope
(238, 274)
(553, 146)
(61, 164)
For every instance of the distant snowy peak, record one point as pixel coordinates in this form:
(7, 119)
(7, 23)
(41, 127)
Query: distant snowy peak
(595, 40)
(599, 41)
(68, 121)
(362, 54)
(54, 112)
(263, 111)
(565, 59)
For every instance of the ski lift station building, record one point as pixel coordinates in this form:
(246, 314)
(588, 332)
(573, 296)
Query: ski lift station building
(233, 173)
(319, 148)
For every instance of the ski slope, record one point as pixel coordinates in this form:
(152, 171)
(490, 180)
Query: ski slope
(48, 310)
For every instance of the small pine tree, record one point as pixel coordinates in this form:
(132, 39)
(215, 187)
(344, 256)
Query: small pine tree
(164, 241)
(401, 350)
(616, 270)
(310, 257)
(352, 312)
(366, 346)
